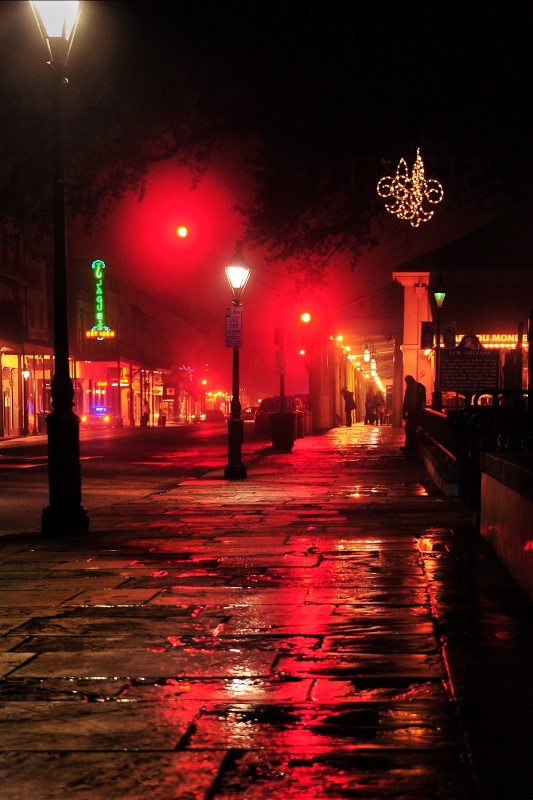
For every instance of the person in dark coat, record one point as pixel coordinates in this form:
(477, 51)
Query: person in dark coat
(414, 402)
(349, 405)
(379, 408)
(145, 416)
(369, 405)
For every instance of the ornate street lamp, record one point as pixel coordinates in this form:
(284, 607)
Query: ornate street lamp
(64, 516)
(439, 293)
(35, 430)
(25, 422)
(237, 272)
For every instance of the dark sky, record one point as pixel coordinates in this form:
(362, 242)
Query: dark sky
(325, 86)
(340, 88)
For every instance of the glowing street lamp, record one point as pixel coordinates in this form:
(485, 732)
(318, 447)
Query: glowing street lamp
(25, 424)
(237, 272)
(64, 516)
(439, 293)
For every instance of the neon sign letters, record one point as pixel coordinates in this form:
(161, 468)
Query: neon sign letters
(100, 330)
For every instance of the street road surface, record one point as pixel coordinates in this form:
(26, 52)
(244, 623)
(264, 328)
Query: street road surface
(115, 465)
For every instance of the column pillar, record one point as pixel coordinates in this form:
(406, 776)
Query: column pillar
(416, 309)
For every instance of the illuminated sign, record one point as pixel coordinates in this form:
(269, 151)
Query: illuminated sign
(100, 333)
(495, 340)
(100, 330)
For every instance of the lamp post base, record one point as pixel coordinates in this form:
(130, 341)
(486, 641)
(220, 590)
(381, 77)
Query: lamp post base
(235, 469)
(64, 523)
(64, 516)
(235, 472)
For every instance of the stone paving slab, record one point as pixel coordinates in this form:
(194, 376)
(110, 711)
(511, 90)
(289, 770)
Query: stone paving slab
(9, 623)
(27, 599)
(148, 663)
(101, 775)
(114, 726)
(10, 661)
(336, 775)
(242, 726)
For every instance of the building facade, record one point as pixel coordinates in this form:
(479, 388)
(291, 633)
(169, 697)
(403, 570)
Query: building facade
(124, 345)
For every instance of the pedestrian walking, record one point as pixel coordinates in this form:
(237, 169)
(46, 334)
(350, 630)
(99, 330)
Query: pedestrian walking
(379, 408)
(369, 406)
(349, 405)
(414, 402)
(145, 417)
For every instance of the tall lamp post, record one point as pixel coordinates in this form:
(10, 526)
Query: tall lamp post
(34, 390)
(439, 294)
(237, 272)
(25, 422)
(64, 516)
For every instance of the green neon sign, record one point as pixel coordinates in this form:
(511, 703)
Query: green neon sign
(100, 330)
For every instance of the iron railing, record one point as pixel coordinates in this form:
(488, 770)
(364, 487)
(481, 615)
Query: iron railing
(493, 421)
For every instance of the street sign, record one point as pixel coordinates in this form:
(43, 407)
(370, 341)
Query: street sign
(234, 326)
(281, 361)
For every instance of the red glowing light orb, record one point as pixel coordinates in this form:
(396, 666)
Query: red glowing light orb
(305, 316)
(182, 231)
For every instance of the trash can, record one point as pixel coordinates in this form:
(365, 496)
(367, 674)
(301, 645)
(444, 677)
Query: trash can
(162, 419)
(300, 424)
(283, 430)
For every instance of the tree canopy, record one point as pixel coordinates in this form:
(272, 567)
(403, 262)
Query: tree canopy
(325, 98)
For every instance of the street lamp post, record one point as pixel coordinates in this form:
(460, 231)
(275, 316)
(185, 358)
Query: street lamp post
(2, 349)
(439, 294)
(64, 516)
(25, 423)
(237, 272)
(34, 390)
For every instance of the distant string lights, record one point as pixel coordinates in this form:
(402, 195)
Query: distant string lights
(410, 191)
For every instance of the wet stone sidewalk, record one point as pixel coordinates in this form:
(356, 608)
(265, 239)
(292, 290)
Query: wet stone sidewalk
(330, 628)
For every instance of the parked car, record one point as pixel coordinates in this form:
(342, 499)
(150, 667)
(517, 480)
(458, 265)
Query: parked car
(99, 417)
(270, 405)
(249, 413)
(210, 415)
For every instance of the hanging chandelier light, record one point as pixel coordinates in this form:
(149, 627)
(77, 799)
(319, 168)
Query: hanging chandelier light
(409, 192)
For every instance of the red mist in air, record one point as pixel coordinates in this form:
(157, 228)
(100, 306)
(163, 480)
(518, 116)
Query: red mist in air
(139, 242)
(139, 239)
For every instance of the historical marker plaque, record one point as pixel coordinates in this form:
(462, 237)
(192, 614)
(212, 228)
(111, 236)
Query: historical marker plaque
(469, 369)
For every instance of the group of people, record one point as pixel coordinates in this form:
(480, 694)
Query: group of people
(375, 410)
(374, 407)
(414, 402)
